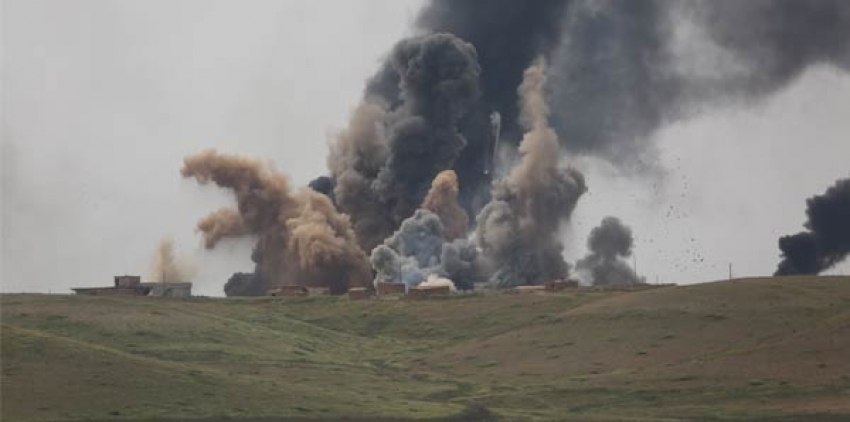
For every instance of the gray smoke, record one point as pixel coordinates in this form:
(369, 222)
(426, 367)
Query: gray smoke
(608, 246)
(418, 250)
(507, 35)
(383, 164)
(518, 231)
(826, 241)
(621, 69)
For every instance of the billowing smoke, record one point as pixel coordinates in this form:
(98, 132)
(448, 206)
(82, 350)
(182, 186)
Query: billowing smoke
(302, 239)
(432, 243)
(826, 241)
(447, 99)
(435, 281)
(246, 284)
(419, 250)
(507, 35)
(608, 246)
(442, 200)
(518, 230)
(385, 161)
(621, 69)
(166, 267)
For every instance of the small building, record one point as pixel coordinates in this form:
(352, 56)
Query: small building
(127, 281)
(109, 291)
(318, 291)
(359, 293)
(385, 289)
(424, 292)
(289, 291)
(131, 285)
(527, 289)
(124, 285)
(169, 289)
(558, 285)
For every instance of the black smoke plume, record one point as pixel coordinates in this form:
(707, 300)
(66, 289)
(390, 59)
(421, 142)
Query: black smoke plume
(618, 71)
(383, 164)
(826, 241)
(245, 284)
(621, 69)
(608, 246)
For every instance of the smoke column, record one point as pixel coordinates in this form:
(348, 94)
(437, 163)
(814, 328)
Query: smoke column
(608, 245)
(302, 240)
(442, 200)
(619, 71)
(165, 267)
(432, 243)
(622, 69)
(826, 241)
(385, 161)
(518, 229)
(429, 245)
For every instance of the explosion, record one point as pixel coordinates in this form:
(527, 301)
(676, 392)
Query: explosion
(302, 239)
(428, 244)
(386, 159)
(420, 182)
(608, 245)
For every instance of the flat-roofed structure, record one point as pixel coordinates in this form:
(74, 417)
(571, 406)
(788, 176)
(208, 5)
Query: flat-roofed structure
(424, 292)
(169, 289)
(123, 285)
(527, 289)
(558, 285)
(386, 289)
(359, 293)
(131, 285)
(289, 291)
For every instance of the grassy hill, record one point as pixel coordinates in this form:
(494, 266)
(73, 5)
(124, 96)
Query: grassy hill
(755, 349)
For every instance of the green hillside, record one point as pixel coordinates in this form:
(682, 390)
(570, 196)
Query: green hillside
(756, 349)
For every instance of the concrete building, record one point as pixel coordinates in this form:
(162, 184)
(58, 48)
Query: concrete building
(558, 285)
(109, 291)
(127, 281)
(384, 289)
(131, 285)
(290, 291)
(169, 289)
(359, 293)
(527, 289)
(420, 292)
(318, 291)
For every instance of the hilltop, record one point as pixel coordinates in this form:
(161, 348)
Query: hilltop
(753, 349)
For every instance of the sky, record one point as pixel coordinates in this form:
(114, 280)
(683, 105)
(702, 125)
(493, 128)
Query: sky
(101, 101)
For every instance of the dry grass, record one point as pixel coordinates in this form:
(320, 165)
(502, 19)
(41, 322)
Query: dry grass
(756, 349)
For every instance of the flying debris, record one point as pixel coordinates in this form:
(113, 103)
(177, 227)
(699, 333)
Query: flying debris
(470, 94)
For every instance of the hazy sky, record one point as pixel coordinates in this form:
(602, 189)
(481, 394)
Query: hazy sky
(101, 100)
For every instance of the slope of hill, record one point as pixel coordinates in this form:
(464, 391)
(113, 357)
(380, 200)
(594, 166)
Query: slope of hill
(756, 349)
